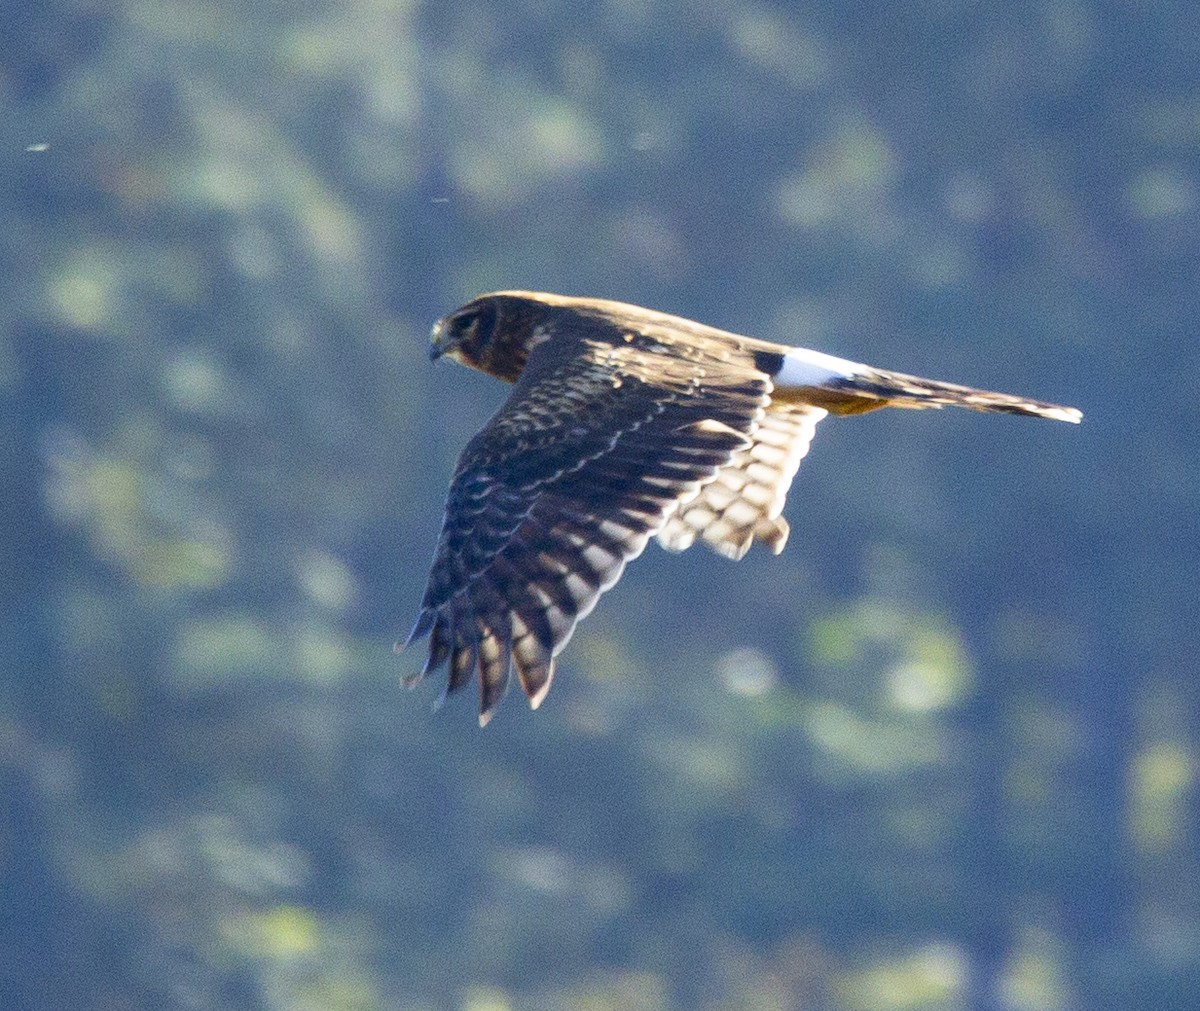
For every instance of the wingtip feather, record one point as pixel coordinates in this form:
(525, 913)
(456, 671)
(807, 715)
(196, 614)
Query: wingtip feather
(421, 628)
(539, 696)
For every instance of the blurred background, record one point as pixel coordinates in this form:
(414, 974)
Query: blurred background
(940, 754)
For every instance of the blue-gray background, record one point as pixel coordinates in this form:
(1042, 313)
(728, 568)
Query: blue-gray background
(942, 753)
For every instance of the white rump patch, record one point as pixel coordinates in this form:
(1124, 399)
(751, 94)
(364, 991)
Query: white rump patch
(802, 367)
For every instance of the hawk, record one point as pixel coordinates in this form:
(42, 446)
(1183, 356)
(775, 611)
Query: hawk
(623, 424)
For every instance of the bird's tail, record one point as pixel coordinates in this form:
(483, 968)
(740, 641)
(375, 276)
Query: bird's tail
(876, 387)
(845, 387)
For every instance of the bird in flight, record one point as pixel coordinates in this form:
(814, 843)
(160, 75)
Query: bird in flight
(623, 424)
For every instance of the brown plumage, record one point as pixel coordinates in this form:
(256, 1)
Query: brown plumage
(623, 424)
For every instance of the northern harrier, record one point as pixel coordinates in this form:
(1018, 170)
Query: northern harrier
(623, 424)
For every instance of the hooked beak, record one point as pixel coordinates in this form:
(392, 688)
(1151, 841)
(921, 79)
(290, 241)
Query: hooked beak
(435, 342)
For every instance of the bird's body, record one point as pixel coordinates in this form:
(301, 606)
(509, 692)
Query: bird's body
(623, 424)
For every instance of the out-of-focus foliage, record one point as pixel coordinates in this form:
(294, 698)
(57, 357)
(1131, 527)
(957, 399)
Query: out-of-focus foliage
(941, 754)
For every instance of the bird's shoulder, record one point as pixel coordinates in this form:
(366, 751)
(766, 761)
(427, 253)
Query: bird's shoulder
(599, 369)
(569, 406)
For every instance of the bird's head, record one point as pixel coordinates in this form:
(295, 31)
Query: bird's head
(492, 333)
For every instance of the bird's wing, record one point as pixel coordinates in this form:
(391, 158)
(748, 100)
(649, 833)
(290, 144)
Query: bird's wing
(587, 459)
(744, 502)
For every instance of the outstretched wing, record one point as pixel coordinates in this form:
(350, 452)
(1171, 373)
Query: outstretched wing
(596, 447)
(744, 502)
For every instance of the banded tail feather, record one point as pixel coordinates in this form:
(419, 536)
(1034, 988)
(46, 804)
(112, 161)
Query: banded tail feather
(845, 387)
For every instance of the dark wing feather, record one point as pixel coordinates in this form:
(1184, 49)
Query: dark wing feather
(591, 454)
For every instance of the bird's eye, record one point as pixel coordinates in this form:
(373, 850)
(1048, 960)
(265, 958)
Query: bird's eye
(461, 324)
(475, 323)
